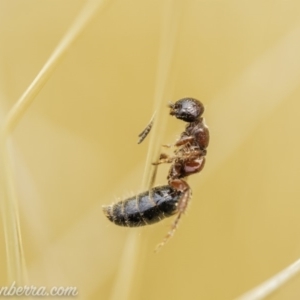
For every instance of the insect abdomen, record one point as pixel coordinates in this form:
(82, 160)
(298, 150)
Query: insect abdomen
(145, 208)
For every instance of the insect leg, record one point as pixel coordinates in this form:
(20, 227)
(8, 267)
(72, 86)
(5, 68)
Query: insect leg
(182, 206)
(164, 159)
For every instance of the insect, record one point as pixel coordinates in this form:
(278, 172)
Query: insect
(188, 158)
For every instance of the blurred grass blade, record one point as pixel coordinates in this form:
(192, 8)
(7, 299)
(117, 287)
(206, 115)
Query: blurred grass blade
(268, 287)
(9, 206)
(163, 90)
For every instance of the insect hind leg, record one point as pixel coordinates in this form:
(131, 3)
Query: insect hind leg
(182, 206)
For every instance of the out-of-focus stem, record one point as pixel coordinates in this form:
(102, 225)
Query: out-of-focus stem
(128, 263)
(9, 205)
(268, 287)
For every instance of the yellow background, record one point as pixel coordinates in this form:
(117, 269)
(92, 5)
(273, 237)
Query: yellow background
(75, 148)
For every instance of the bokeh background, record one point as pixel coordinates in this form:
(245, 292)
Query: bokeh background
(75, 148)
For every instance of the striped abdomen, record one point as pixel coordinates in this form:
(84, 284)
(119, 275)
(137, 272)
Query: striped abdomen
(145, 208)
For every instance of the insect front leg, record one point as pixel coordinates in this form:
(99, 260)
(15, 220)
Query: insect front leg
(184, 139)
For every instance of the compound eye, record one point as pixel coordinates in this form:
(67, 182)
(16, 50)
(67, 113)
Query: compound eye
(176, 109)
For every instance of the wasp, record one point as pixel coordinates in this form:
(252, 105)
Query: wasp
(188, 158)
